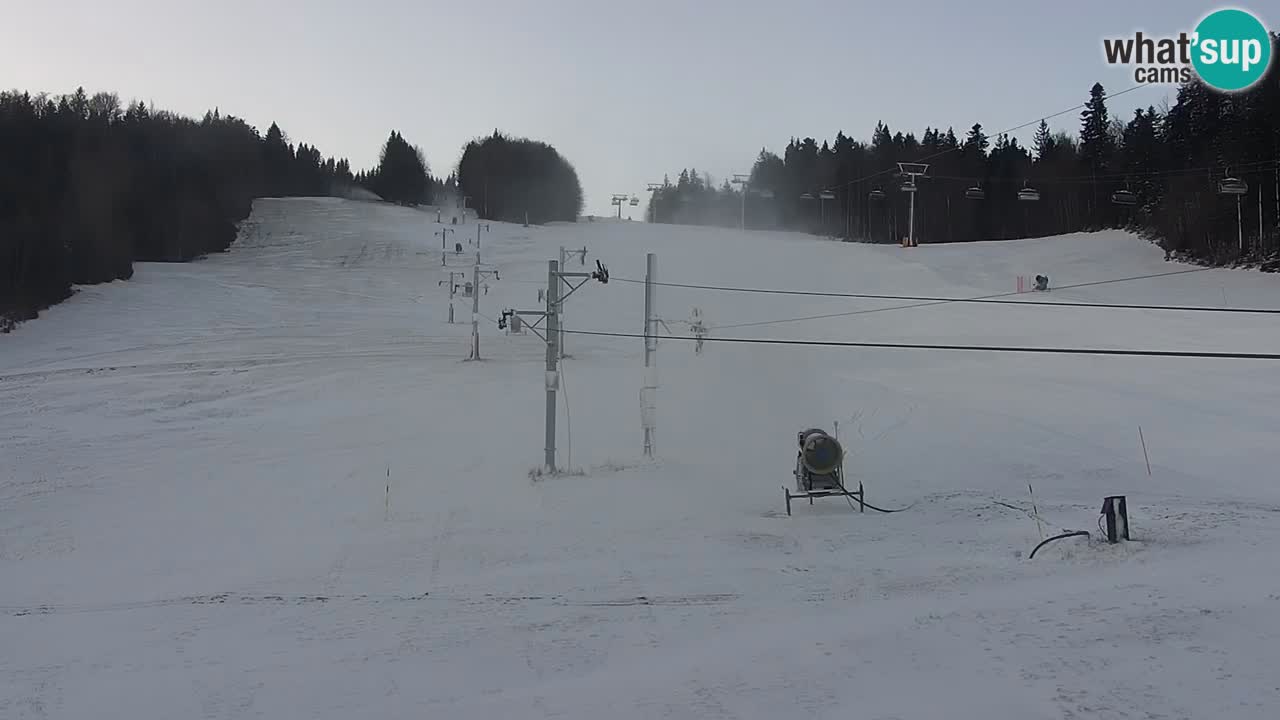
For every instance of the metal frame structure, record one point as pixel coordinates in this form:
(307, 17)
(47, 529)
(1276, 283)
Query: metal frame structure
(651, 189)
(912, 171)
(1234, 186)
(555, 301)
(618, 200)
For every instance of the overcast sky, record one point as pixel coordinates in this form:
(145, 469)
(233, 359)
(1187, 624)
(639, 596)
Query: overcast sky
(627, 91)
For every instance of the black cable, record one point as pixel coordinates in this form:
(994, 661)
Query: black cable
(942, 302)
(1046, 541)
(987, 299)
(972, 348)
(882, 510)
(1257, 166)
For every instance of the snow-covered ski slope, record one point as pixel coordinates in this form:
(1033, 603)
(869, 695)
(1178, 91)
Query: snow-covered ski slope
(195, 519)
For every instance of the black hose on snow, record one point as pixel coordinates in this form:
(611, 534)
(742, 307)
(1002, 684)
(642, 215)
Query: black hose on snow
(1073, 533)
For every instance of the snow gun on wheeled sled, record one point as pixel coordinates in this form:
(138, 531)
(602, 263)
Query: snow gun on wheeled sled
(820, 470)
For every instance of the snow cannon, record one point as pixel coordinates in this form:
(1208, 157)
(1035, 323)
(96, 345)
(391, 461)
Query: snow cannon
(819, 452)
(819, 469)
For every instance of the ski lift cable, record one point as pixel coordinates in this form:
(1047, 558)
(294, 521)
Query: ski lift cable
(872, 310)
(969, 348)
(940, 153)
(1257, 166)
(987, 299)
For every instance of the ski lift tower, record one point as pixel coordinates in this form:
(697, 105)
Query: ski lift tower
(619, 201)
(912, 171)
(653, 209)
(740, 179)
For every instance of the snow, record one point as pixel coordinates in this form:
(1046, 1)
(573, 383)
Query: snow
(267, 484)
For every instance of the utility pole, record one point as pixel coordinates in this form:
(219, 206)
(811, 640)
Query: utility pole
(648, 401)
(475, 309)
(476, 274)
(555, 301)
(452, 286)
(444, 243)
(553, 358)
(478, 226)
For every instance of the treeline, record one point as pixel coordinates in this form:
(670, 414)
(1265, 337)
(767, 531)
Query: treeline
(1163, 173)
(518, 180)
(87, 187)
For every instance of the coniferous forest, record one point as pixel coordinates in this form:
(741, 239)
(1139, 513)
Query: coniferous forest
(1165, 173)
(88, 187)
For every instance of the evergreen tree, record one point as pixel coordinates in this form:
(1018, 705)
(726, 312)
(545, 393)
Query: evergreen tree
(1096, 143)
(514, 178)
(402, 173)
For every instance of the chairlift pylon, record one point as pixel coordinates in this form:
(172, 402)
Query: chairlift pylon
(908, 186)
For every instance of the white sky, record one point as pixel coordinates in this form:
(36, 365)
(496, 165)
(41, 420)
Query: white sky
(626, 91)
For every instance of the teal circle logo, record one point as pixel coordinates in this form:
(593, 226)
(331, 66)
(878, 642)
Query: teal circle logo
(1231, 49)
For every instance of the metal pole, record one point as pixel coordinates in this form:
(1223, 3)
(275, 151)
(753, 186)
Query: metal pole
(911, 224)
(744, 206)
(1239, 224)
(647, 400)
(560, 341)
(553, 371)
(1258, 248)
(475, 309)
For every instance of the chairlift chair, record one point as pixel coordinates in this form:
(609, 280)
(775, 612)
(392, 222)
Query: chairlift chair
(909, 186)
(1029, 194)
(1232, 186)
(975, 193)
(827, 195)
(806, 196)
(634, 201)
(1124, 197)
(876, 194)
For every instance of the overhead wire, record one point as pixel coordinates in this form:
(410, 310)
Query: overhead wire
(987, 299)
(938, 346)
(938, 301)
(945, 151)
